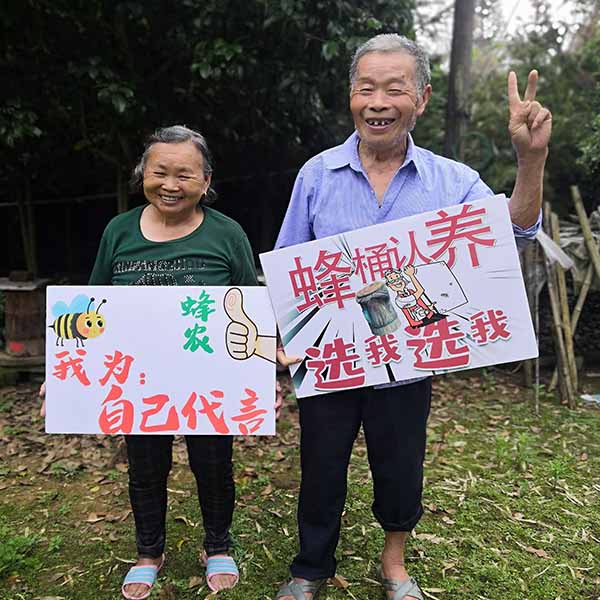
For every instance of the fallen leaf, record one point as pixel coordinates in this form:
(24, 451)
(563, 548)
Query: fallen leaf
(95, 517)
(195, 582)
(339, 582)
(268, 553)
(537, 551)
(430, 537)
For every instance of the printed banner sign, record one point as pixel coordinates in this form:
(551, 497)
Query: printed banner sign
(427, 294)
(160, 360)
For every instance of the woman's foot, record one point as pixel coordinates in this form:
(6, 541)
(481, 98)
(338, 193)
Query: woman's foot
(140, 590)
(220, 581)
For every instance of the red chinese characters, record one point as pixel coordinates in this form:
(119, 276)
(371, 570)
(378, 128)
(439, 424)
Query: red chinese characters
(371, 264)
(325, 283)
(381, 350)
(489, 326)
(437, 346)
(250, 418)
(72, 366)
(449, 228)
(167, 423)
(118, 366)
(335, 368)
(210, 410)
(117, 415)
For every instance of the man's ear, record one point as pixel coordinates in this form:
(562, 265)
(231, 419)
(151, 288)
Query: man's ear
(424, 99)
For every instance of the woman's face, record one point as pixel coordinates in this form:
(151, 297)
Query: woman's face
(174, 179)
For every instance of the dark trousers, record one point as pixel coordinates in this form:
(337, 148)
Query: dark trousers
(150, 459)
(394, 422)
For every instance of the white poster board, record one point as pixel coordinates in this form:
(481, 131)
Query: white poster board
(432, 293)
(160, 360)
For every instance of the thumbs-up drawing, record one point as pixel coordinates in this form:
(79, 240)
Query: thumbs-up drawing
(242, 339)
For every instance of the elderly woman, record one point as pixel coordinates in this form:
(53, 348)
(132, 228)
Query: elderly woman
(175, 239)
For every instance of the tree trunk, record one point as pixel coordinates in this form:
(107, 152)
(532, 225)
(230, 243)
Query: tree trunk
(122, 192)
(457, 111)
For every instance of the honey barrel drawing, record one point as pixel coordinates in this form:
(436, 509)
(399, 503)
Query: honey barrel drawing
(377, 308)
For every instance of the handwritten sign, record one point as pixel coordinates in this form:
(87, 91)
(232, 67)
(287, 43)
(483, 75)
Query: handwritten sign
(160, 360)
(432, 293)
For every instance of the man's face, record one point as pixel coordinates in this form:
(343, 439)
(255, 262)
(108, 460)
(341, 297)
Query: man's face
(174, 178)
(383, 99)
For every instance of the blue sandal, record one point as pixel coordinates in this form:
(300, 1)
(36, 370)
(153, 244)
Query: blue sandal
(220, 565)
(146, 575)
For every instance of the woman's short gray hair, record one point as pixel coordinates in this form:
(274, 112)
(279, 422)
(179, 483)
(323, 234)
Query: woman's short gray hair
(392, 42)
(176, 134)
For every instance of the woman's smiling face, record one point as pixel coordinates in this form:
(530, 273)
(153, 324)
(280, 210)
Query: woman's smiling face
(174, 179)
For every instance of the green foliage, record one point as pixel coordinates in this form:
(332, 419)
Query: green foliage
(265, 81)
(589, 144)
(55, 543)
(16, 551)
(568, 86)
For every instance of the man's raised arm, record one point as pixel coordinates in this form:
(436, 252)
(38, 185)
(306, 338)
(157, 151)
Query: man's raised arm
(530, 125)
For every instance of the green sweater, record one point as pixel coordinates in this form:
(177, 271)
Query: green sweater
(216, 253)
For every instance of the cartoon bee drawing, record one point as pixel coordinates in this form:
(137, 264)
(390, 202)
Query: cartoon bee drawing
(76, 321)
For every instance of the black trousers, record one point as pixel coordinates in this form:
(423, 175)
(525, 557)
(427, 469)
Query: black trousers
(394, 422)
(150, 459)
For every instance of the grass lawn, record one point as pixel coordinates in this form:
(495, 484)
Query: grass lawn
(512, 506)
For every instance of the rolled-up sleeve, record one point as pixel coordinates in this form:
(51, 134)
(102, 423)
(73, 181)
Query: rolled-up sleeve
(523, 236)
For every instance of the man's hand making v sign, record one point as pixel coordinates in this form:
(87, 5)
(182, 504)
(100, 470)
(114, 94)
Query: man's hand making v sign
(529, 125)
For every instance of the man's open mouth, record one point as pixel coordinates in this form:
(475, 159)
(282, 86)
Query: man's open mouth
(379, 122)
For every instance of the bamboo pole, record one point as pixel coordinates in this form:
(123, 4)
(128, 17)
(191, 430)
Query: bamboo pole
(564, 306)
(586, 230)
(528, 268)
(566, 389)
(581, 298)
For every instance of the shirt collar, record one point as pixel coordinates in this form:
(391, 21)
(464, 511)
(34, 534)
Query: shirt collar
(347, 155)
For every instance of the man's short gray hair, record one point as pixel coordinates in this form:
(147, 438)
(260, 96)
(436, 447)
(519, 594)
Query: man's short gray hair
(176, 134)
(392, 42)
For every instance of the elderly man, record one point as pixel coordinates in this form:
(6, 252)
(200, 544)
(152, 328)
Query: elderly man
(377, 175)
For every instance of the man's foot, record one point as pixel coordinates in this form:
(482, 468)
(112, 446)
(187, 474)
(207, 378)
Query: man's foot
(140, 590)
(221, 581)
(301, 587)
(397, 572)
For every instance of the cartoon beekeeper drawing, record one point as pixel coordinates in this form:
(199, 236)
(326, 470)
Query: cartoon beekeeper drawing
(411, 298)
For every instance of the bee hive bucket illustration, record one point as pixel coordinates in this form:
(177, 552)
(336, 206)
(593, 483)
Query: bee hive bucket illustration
(377, 308)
